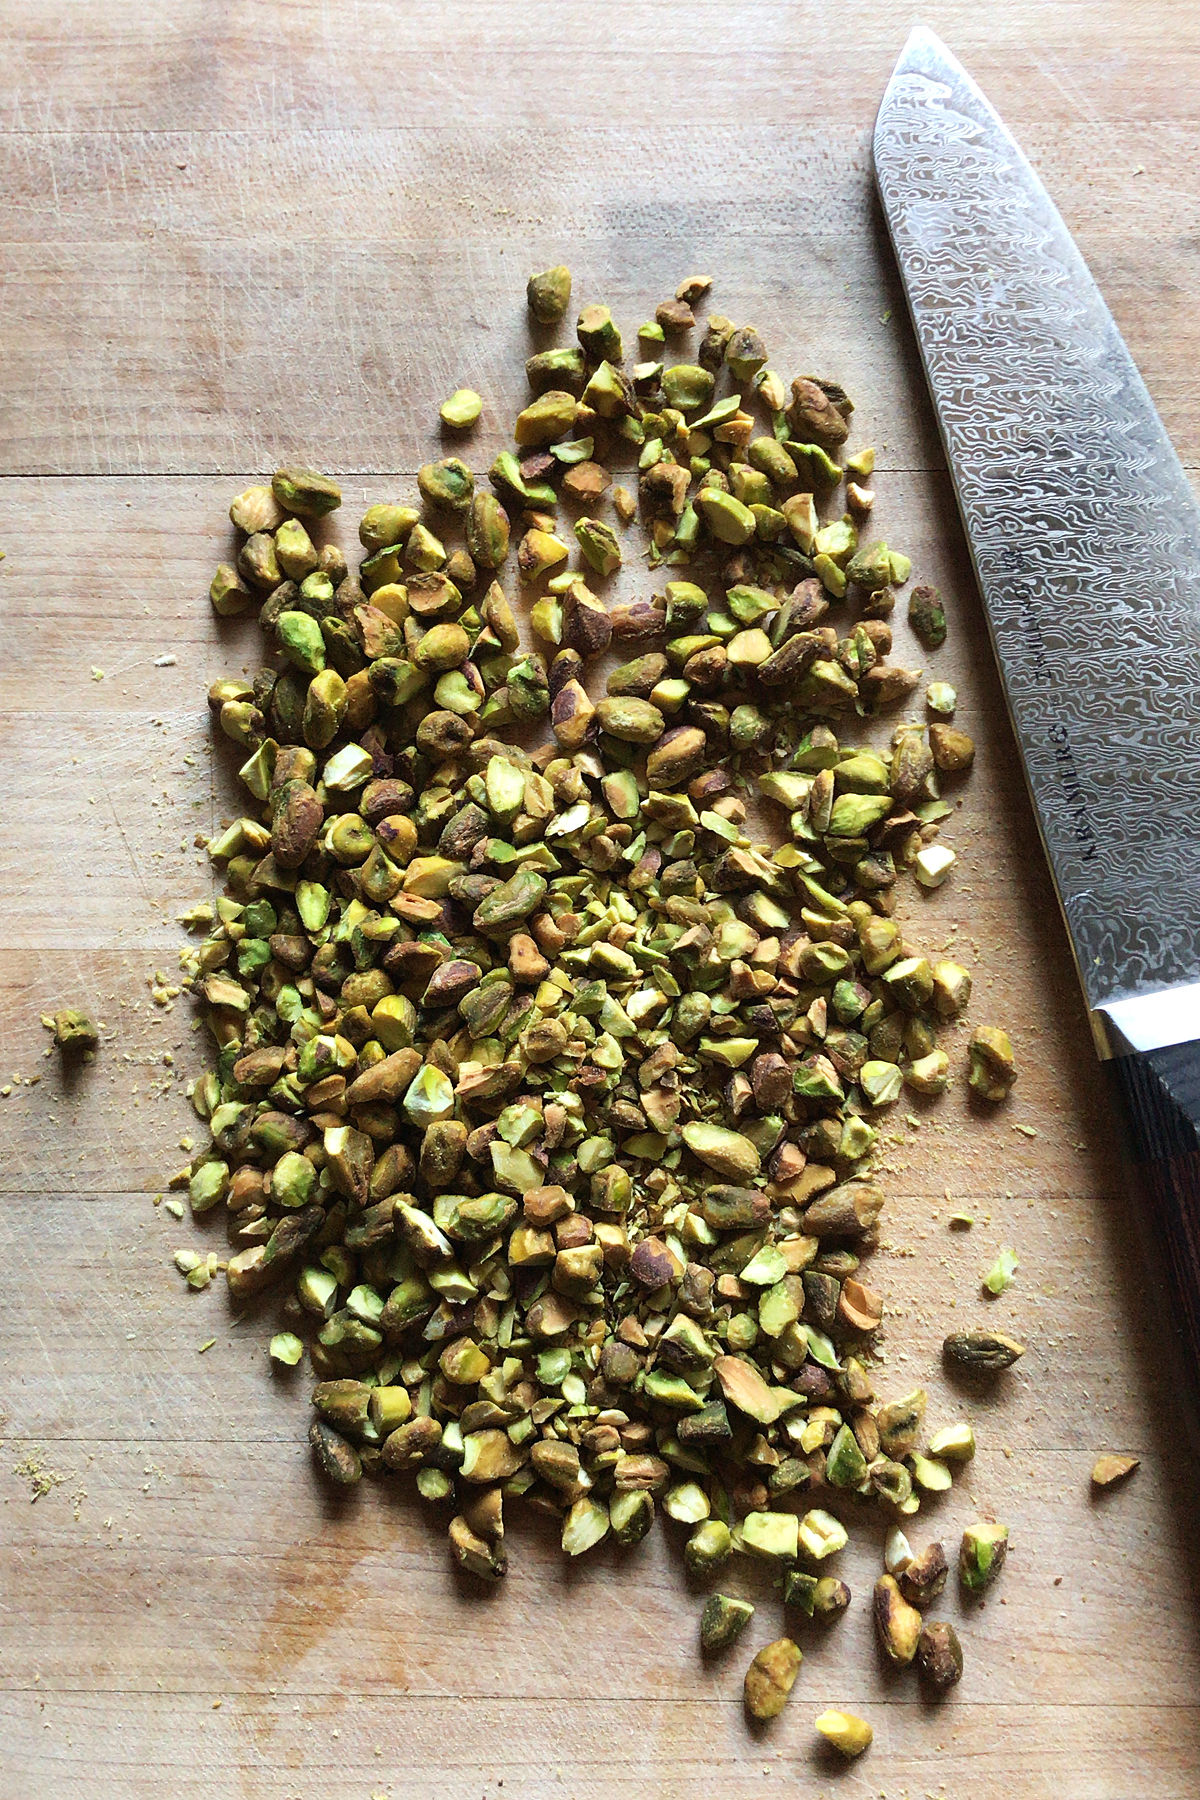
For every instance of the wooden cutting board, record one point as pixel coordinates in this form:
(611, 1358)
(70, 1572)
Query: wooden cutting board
(240, 234)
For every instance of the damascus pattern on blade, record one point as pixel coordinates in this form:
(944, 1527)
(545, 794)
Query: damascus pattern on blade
(1082, 524)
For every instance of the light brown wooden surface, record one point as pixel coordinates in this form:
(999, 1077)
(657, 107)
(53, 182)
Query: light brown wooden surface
(237, 233)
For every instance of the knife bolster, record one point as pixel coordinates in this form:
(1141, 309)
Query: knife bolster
(1161, 1094)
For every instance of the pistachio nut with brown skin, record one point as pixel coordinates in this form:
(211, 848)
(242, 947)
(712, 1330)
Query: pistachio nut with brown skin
(813, 415)
(939, 1656)
(898, 1625)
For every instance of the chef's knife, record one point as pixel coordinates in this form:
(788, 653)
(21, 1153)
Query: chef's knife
(1085, 536)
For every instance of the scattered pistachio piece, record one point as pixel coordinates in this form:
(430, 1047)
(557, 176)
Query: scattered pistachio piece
(771, 1677)
(1000, 1275)
(1109, 1469)
(845, 1732)
(461, 410)
(984, 1350)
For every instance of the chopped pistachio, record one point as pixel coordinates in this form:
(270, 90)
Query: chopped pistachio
(984, 1350)
(939, 1656)
(549, 294)
(897, 1624)
(723, 1620)
(992, 1069)
(286, 1349)
(982, 1554)
(541, 1086)
(1000, 1275)
(1108, 1470)
(74, 1031)
(845, 1732)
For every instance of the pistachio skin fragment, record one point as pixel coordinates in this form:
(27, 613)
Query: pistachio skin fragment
(770, 1678)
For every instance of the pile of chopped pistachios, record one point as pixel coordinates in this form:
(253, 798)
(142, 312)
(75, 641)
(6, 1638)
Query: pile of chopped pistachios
(547, 1096)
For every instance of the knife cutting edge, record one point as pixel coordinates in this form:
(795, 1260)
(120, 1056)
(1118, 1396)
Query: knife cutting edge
(1085, 536)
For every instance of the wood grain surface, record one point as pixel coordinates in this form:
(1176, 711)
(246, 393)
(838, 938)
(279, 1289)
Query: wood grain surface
(236, 234)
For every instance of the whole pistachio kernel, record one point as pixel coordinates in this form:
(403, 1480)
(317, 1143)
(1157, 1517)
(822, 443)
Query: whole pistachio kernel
(301, 641)
(385, 524)
(687, 386)
(461, 410)
(256, 510)
(295, 550)
(487, 531)
(258, 562)
(771, 1677)
(306, 492)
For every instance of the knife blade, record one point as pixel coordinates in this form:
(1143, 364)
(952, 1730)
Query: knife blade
(1084, 532)
(1085, 537)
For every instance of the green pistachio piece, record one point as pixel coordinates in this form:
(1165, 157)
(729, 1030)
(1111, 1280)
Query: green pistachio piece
(599, 544)
(461, 410)
(447, 483)
(306, 492)
(598, 335)
(549, 294)
(726, 518)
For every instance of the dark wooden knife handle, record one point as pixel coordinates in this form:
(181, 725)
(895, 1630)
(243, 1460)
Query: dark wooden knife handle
(1161, 1092)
